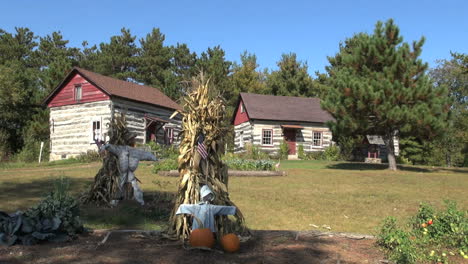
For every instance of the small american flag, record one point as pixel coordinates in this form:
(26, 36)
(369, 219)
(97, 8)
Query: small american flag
(201, 146)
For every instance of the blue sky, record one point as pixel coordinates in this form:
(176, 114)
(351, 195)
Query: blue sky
(311, 29)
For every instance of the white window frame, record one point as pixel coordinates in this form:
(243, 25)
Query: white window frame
(263, 137)
(320, 140)
(242, 110)
(169, 135)
(78, 93)
(92, 130)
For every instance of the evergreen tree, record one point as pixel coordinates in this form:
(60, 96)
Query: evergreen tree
(378, 85)
(18, 91)
(88, 57)
(154, 59)
(453, 142)
(214, 64)
(18, 48)
(292, 78)
(183, 66)
(55, 60)
(18, 87)
(246, 78)
(118, 58)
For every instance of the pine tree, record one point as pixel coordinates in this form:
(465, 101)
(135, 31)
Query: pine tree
(378, 85)
(54, 60)
(292, 78)
(153, 60)
(453, 142)
(117, 58)
(214, 64)
(246, 78)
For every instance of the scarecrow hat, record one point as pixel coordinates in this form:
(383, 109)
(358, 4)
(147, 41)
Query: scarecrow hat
(205, 191)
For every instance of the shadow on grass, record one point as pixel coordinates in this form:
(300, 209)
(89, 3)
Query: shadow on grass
(24, 192)
(130, 214)
(372, 166)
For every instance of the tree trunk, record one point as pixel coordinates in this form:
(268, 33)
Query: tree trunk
(389, 144)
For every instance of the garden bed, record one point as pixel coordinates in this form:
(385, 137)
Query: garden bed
(265, 247)
(234, 173)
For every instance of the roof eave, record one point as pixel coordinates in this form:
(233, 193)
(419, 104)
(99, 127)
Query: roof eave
(66, 79)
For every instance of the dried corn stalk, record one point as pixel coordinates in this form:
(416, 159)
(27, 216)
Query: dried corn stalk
(106, 181)
(203, 114)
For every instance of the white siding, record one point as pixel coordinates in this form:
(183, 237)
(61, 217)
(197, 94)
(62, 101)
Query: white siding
(244, 129)
(303, 136)
(135, 113)
(71, 125)
(71, 128)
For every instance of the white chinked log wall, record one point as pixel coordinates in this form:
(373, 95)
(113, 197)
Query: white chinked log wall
(71, 128)
(252, 133)
(135, 115)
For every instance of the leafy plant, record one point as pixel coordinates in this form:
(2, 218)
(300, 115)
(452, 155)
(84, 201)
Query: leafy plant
(164, 151)
(165, 165)
(431, 234)
(56, 218)
(332, 153)
(284, 149)
(254, 165)
(300, 152)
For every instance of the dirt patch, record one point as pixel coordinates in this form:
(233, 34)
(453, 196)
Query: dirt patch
(265, 247)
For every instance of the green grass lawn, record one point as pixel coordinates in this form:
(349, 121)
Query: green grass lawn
(350, 197)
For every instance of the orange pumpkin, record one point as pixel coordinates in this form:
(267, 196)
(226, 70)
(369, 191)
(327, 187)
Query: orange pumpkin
(230, 243)
(202, 237)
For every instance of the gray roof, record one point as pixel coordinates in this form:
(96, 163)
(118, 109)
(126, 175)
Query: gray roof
(378, 140)
(284, 108)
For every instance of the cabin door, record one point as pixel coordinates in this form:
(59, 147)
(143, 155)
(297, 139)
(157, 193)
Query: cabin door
(290, 137)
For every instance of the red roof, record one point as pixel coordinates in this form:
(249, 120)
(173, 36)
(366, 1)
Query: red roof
(119, 88)
(284, 108)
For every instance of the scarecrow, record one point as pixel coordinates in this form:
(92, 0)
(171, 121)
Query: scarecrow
(129, 157)
(204, 210)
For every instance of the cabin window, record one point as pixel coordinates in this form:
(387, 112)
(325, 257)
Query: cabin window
(169, 135)
(317, 139)
(96, 130)
(267, 137)
(242, 107)
(78, 93)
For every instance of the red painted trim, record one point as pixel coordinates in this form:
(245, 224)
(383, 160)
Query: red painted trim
(241, 117)
(261, 138)
(66, 94)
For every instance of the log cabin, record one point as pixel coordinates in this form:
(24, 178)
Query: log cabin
(84, 103)
(266, 120)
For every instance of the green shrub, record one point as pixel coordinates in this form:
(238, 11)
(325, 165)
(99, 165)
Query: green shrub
(284, 150)
(89, 156)
(315, 155)
(300, 152)
(431, 235)
(253, 165)
(31, 150)
(332, 153)
(397, 242)
(253, 152)
(165, 165)
(164, 151)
